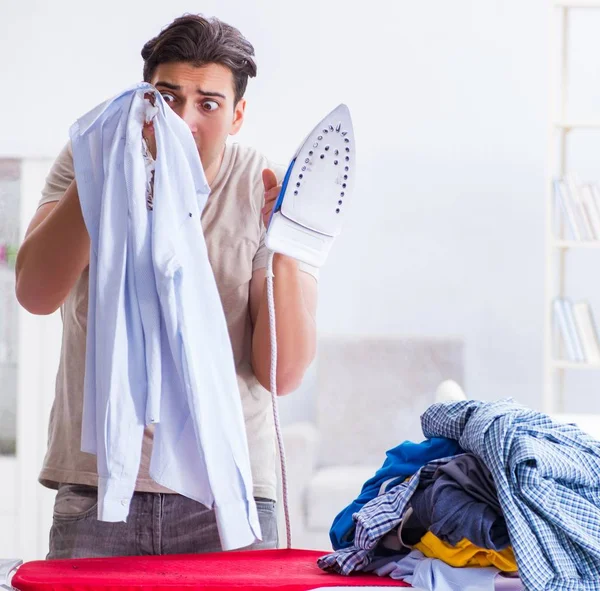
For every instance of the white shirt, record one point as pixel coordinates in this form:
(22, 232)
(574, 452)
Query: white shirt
(158, 350)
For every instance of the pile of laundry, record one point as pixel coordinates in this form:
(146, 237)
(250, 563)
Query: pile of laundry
(498, 496)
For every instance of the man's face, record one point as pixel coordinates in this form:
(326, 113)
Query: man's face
(204, 98)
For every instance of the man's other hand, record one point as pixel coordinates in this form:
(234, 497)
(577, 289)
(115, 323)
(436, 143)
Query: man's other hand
(272, 190)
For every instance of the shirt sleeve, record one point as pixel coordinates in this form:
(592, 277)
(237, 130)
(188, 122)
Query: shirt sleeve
(262, 254)
(60, 176)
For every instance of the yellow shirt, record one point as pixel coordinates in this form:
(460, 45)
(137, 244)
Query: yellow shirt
(465, 553)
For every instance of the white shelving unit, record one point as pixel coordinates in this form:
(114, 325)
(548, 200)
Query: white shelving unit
(557, 249)
(29, 357)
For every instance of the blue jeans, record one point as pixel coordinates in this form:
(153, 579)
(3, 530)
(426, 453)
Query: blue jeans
(157, 524)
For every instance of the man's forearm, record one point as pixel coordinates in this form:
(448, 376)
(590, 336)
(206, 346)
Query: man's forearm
(296, 329)
(53, 256)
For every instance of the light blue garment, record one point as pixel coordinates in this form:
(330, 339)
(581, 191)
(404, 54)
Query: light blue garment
(431, 574)
(158, 348)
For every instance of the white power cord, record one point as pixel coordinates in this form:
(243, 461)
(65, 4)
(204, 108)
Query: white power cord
(273, 329)
(309, 226)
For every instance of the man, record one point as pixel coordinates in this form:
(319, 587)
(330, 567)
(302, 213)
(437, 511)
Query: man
(201, 68)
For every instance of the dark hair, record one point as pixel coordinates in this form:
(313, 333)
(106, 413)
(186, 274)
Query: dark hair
(198, 40)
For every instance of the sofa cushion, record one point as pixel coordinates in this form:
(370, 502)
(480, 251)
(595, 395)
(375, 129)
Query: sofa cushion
(372, 390)
(331, 490)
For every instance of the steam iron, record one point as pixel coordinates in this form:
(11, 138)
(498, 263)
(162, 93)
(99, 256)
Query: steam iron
(309, 212)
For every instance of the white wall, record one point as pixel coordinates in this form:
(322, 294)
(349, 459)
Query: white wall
(450, 105)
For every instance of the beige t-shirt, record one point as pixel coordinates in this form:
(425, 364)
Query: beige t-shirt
(234, 235)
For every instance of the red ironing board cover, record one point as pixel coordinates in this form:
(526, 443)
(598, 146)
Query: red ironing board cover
(287, 570)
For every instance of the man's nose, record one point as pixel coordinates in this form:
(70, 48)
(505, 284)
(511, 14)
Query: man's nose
(190, 116)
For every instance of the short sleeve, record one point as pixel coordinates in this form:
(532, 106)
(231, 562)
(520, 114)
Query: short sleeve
(60, 176)
(262, 254)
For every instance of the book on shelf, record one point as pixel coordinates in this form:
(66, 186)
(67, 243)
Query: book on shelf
(592, 209)
(560, 318)
(562, 195)
(578, 331)
(579, 356)
(578, 205)
(574, 189)
(586, 328)
(595, 189)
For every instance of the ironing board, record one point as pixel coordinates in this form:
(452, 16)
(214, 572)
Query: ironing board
(282, 570)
